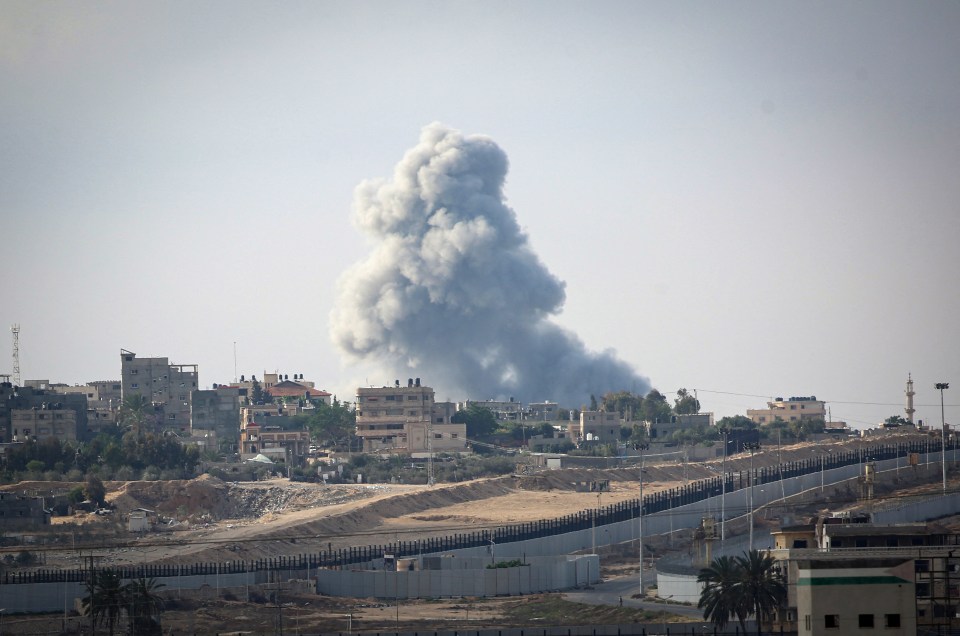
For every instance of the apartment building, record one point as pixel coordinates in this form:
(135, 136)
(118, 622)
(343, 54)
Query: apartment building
(508, 411)
(44, 422)
(71, 411)
(792, 409)
(849, 576)
(103, 402)
(600, 427)
(168, 386)
(217, 411)
(406, 419)
(270, 430)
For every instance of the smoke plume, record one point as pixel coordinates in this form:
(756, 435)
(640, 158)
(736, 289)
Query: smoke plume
(454, 293)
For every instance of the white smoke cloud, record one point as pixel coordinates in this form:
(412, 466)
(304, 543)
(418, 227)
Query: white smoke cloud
(453, 292)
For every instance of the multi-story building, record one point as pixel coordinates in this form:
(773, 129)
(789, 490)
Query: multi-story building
(661, 431)
(103, 402)
(25, 400)
(509, 411)
(850, 576)
(406, 419)
(19, 512)
(297, 390)
(218, 411)
(792, 409)
(596, 426)
(543, 412)
(270, 430)
(44, 422)
(167, 386)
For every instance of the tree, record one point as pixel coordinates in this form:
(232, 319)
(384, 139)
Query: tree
(105, 599)
(144, 606)
(593, 402)
(628, 405)
(761, 584)
(737, 421)
(895, 420)
(135, 411)
(258, 395)
(720, 598)
(655, 407)
(94, 490)
(685, 404)
(739, 586)
(480, 421)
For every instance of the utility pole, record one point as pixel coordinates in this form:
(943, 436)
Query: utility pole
(723, 487)
(941, 386)
(751, 446)
(641, 448)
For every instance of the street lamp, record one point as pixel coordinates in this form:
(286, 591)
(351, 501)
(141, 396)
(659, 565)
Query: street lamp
(723, 486)
(641, 448)
(751, 446)
(941, 386)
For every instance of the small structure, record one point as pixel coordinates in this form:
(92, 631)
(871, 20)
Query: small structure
(140, 520)
(18, 512)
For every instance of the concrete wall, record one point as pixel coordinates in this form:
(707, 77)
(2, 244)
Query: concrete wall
(473, 579)
(46, 597)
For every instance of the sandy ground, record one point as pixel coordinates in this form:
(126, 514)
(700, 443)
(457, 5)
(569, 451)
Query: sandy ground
(207, 519)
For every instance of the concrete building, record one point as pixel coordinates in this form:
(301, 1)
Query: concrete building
(218, 411)
(298, 391)
(19, 512)
(40, 423)
(47, 404)
(662, 431)
(406, 419)
(543, 412)
(167, 386)
(792, 409)
(599, 427)
(509, 411)
(103, 402)
(845, 575)
(270, 430)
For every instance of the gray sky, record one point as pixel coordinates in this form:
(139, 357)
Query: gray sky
(755, 198)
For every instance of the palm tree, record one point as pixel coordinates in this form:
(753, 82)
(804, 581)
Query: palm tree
(144, 606)
(105, 599)
(134, 411)
(720, 598)
(761, 586)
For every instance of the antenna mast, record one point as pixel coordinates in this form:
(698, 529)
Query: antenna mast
(15, 330)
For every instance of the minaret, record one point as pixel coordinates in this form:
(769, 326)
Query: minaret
(910, 410)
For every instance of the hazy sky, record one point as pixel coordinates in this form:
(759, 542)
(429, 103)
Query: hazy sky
(752, 199)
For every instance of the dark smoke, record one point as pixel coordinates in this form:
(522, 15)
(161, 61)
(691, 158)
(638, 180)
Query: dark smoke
(453, 292)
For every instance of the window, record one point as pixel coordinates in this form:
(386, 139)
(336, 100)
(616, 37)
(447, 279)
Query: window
(831, 621)
(891, 542)
(891, 620)
(865, 620)
(923, 589)
(391, 398)
(799, 543)
(134, 386)
(921, 565)
(134, 371)
(807, 623)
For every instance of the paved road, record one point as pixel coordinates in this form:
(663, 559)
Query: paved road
(612, 590)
